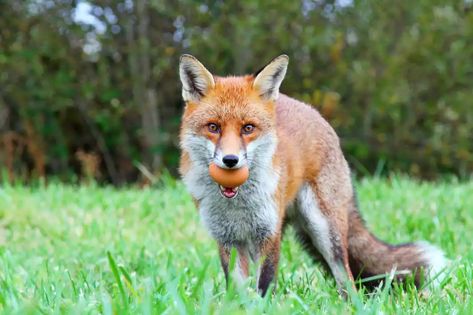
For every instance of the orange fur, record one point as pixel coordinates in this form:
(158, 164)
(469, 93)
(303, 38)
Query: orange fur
(311, 173)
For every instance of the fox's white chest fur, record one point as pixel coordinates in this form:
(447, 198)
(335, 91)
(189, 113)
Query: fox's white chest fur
(251, 216)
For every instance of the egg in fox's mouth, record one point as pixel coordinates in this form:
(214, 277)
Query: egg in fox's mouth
(228, 192)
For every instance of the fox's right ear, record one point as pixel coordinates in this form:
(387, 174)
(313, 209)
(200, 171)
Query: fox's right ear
(196, 79)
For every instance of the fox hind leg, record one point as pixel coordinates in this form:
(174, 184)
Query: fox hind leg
(325, 234)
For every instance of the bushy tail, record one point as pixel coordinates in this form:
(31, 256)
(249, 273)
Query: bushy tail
(370, 257)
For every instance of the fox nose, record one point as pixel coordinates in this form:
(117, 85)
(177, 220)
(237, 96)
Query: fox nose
(230, 160)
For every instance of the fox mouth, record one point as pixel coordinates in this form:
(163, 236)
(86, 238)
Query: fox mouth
(228, 192)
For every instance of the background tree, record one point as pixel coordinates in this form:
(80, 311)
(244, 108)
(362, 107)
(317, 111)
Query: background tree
(93, 85)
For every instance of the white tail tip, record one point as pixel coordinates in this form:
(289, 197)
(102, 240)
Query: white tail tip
(436, 261)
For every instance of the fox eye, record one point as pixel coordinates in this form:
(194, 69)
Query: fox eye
(247, 129)
(213, 128)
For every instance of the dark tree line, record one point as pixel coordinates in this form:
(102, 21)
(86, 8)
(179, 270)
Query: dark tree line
(101, 98)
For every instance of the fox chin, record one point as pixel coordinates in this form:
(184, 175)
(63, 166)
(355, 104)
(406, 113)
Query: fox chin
(298, 175)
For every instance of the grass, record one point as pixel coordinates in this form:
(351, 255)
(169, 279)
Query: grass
(89, 249)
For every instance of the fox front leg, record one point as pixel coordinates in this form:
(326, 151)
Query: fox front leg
(269, 267)
(240, 274)
(224, 253)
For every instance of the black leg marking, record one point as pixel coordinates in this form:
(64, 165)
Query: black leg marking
(268, 270)
(267, 275)
(224, 261)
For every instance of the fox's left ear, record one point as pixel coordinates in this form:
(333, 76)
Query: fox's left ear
(269, 79)
(196, 79)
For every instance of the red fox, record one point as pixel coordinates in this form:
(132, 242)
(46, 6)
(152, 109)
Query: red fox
(297, 175)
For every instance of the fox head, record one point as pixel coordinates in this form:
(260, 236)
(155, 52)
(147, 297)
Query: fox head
(230, 121)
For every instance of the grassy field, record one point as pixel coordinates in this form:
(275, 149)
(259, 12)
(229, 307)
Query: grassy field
(89, 249)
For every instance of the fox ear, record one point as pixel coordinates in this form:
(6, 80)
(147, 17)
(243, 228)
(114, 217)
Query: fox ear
(196, 79)
(269, 79)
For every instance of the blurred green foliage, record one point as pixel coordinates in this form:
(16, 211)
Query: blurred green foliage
(91, 87)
